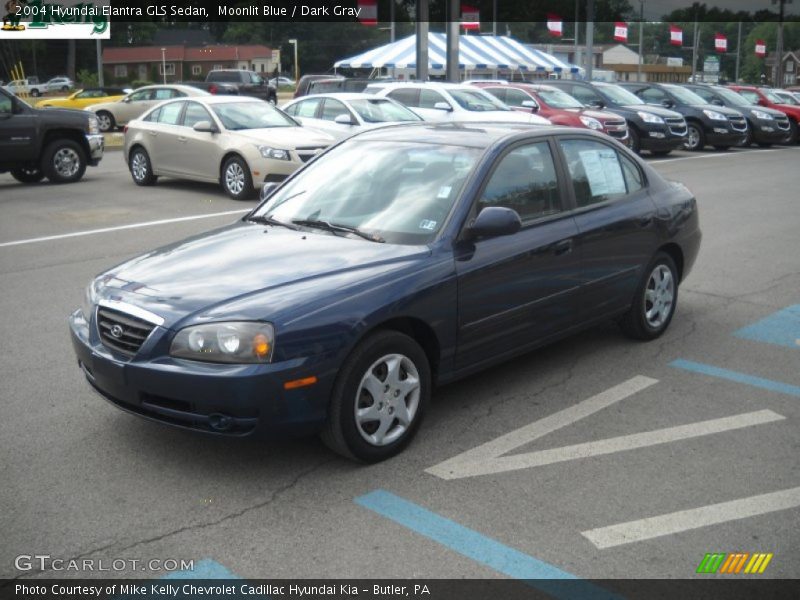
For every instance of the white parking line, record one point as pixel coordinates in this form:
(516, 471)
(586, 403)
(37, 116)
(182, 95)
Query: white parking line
(720, 155)
(685, 520)
(62, 236)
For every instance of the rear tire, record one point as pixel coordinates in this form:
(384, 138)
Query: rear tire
(379, 398)
(28, 174)
(141, 168)
(654, 301)
(64, 161)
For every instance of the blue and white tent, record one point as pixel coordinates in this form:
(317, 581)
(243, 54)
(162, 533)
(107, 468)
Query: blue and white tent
(475, 53)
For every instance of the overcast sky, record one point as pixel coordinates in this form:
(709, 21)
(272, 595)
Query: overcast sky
(654, 9)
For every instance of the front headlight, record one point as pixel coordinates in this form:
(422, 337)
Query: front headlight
(714, 115)
(276, 153)
(758, 114)
(590, 122)
(94, 126)
(649, 117)
(230, 342)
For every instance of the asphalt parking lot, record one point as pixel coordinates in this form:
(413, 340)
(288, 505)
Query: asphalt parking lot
(597, 457)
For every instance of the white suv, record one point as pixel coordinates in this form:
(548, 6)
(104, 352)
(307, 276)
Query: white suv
(435, 101)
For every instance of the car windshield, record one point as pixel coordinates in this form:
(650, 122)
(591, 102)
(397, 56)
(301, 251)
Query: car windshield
(732, 97)
(476, 100)
(559, 99)
(773, 97)
(381, 110)
(398, 192)
(618, 95)
(787, 98)
(685, 96)
(236, 116)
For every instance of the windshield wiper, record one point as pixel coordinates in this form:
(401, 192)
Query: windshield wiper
(270, 221)
(336, 227)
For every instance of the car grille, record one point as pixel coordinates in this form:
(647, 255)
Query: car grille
(617, 129)
(121, 332)
(782, 123)
(677, 126)
(738, 123)
(309, 152)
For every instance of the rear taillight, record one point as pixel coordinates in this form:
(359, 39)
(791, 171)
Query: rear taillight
(213, 89)
(125, 129)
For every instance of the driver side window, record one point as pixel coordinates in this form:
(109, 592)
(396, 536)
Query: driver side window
(652, 96)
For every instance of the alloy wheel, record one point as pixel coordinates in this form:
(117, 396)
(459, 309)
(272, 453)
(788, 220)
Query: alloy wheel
(659, 296)
(66, 162)
(139, 166)
(234, 178)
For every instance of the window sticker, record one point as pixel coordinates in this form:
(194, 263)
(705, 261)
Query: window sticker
(427, 225)
(603, 172)
(444, 191)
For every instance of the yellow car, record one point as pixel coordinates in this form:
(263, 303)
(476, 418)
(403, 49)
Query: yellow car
(84, 98)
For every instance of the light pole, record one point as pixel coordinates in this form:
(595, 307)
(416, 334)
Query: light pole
(163, 66)
(293, 42)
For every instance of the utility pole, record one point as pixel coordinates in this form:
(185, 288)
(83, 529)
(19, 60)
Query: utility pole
(777, 80)
(694, 52)
(100, 78)
(589, 38)
(576, 53)
(738, 53)
(453, 25)
(422, 39)
(391, 20)
(641, 46)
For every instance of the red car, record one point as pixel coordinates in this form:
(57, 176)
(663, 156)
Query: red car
(766, 97)
(558, 106)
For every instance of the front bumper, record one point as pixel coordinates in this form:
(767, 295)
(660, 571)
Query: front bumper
(232, 400)
(720, 135)
(770, 132)
(96, 144)
(661, 137)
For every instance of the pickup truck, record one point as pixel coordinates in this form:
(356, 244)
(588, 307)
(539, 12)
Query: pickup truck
(55, 143)
(30, 86)
(247, 83)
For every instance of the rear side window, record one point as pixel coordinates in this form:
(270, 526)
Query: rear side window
(170, 114)
(407, 96)
(525, 181)
(164, 94)
(598, 173)
(306, 108)
(752, 97)
(153, 116)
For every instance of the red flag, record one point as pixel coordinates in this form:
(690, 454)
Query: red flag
(720, 43)
(368, 14)
(621, 31)
(761, 48)
(470, 17)
(555, 25)
(675, 35)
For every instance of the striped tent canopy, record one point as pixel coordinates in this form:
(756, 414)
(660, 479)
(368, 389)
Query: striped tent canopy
(475, 52)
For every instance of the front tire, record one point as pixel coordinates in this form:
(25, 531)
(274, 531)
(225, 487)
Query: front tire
(695, 138)
(141, 168)
(635, 140)
(654, 302)
(28, 174)
(106, 121)
(236, 179)
(64, 161)
(379, 398)
(35, 93)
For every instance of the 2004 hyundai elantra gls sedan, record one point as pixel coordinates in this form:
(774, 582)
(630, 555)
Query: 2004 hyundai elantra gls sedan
(402, 258)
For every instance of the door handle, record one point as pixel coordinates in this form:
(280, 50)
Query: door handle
(153, 133)
(562, 247)
(646, 221)
(182, 139)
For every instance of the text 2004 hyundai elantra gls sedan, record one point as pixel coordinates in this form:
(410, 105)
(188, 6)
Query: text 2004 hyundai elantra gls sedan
(402, 258)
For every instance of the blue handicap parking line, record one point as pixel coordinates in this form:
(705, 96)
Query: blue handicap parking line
(781, 328)
(759, 382)
(204, 569)
(484, 550)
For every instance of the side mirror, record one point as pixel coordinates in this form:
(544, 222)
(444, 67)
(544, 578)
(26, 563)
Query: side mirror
(126, 99)
(343, 120)
(530, 104)
(667, 103)
(267, 189)
(205, 127)
(598, 104)
(443, 106)
(494, 221)
(717, 102)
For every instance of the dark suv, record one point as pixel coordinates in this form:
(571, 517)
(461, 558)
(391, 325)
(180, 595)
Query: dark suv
(650, 128)
(765, 126)
(719, 126)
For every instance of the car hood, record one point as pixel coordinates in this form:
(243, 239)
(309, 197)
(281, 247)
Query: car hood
(512, 116)
(286, 137)
(102, 106)
(64, 113)
(728, 112)
(655, 110)
(770, 111)
(216, 271)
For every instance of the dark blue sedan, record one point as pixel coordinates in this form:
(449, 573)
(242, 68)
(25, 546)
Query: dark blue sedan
(400, 259)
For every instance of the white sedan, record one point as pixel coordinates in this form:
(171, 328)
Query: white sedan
(435, 101)
(342, 115)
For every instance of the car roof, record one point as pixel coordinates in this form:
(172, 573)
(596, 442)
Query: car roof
(343, 96)
(177, 86)
(221, 99)
(466, 134)
(441, 85)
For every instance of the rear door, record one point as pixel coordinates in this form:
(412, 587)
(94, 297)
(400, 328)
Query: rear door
(133, 106)
(615, 217)
(166, 150)
(519, 289)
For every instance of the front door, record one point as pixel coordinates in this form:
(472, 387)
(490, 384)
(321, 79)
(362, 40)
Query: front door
(17, 131)
(519, 289)
(198, 153)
